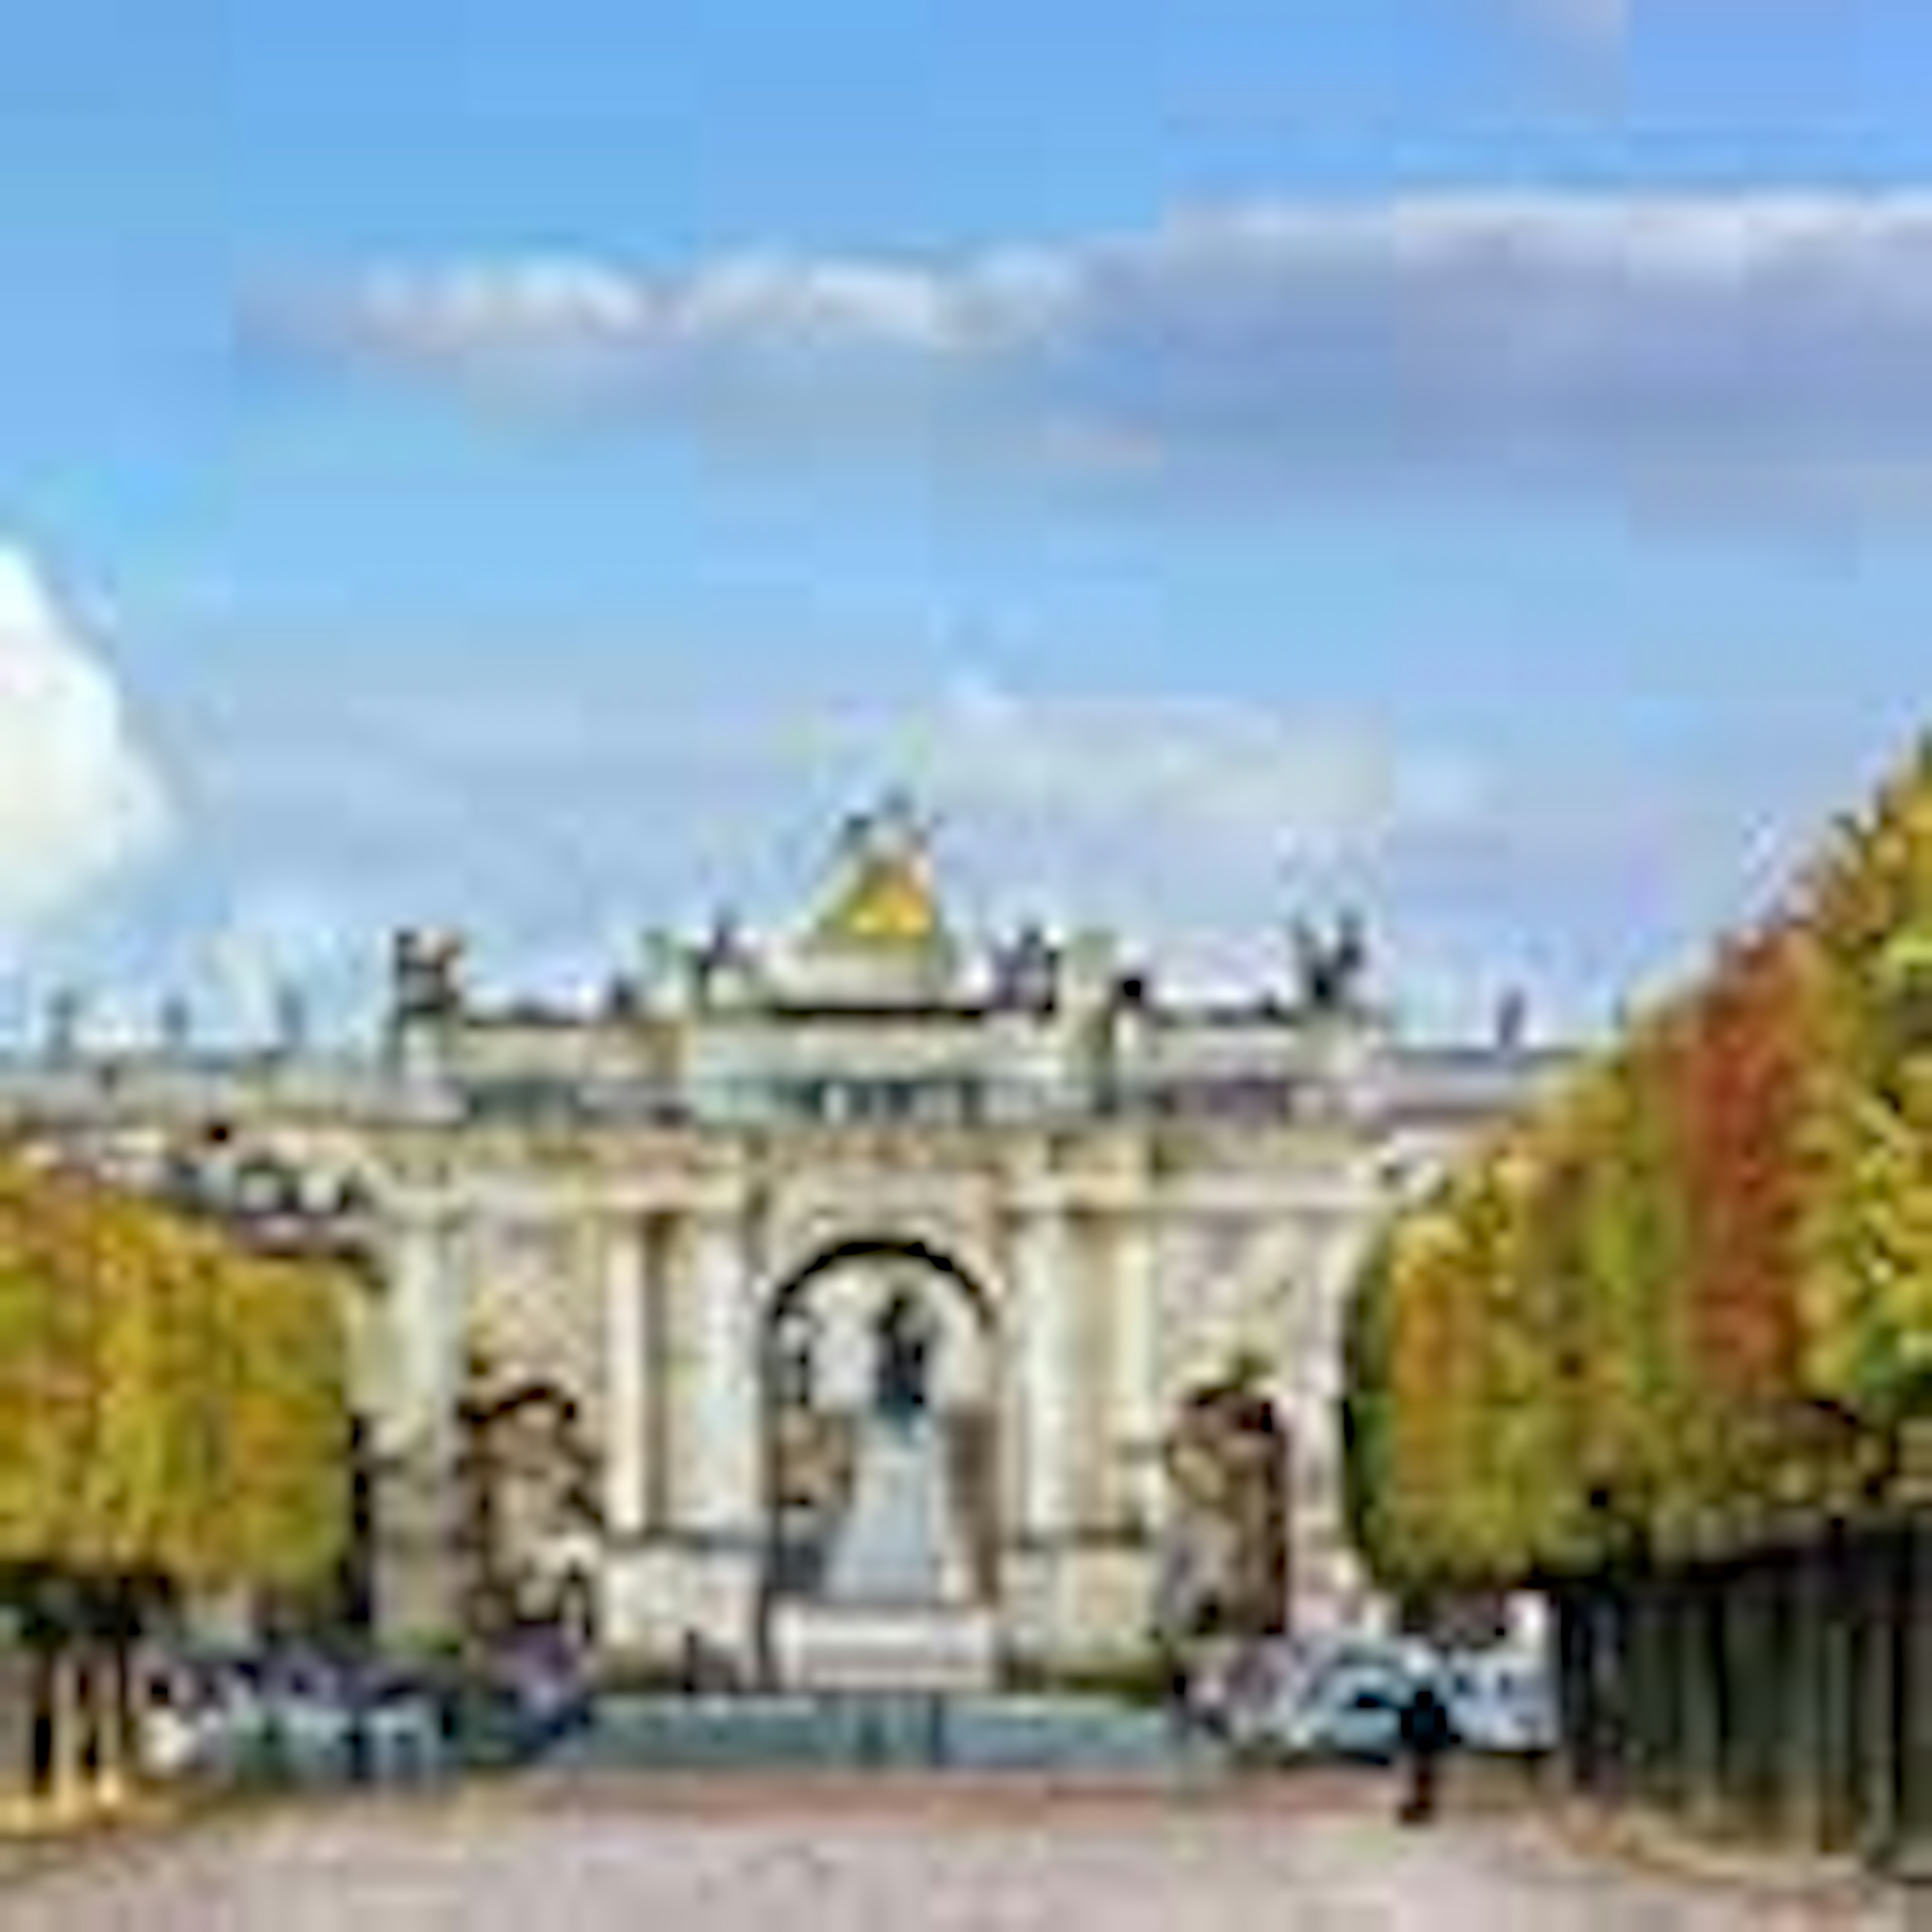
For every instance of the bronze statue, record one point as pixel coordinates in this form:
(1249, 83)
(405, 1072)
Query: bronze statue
(1331, 969)
(427, 975)
(905, 1344)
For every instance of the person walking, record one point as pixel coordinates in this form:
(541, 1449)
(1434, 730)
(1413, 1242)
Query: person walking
(1426, 1733)
(1176, 1684)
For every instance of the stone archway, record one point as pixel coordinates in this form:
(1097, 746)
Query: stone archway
(816, 1368)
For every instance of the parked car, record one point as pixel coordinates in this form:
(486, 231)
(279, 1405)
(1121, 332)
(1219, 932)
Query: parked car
(1353, 1712)
(1292, 1706)
(1500, 1703)
(402, 1728)
(1338, 1701)
(171, 1728)
(1343, 1697)
(238, 1716)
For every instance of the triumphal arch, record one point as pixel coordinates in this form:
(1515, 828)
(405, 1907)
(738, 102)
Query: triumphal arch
(855, 1300)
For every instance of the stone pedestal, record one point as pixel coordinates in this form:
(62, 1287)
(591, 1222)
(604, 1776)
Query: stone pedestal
(659, 1594)
(932, 1648)
(898, 1545)
(1076, 1608)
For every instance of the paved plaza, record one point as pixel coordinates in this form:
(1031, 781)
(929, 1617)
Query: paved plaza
(825, 1856)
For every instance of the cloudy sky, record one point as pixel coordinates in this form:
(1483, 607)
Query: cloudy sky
(534, 468)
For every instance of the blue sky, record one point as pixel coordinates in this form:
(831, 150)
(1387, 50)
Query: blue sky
(533, 467)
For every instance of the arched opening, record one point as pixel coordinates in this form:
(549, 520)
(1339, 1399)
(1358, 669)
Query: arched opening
(869, 1337)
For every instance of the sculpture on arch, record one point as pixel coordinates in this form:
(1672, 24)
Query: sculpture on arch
(1331, 969)
(426, 975)
(905, 1339)
(527, 1476)
(1225, 1457)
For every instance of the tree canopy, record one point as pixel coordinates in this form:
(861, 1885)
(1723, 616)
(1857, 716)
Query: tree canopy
(1686, 1300)
(172, 1406)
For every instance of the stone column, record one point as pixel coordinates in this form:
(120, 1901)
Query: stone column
(1136, 1392)
(660, 1373)
(628, 1370)
(415, 1430)
(720, 1522)
(1324, 1576)
(1042, 1258)
(723, 1469)
(426, 1302)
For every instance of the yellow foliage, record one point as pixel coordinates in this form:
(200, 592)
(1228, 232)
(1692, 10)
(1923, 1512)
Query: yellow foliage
(168, 1403)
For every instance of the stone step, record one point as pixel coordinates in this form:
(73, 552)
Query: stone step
(1004, 1732)
(935, 1649)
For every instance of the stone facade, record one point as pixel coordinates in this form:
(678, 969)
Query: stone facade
(1115, 1200)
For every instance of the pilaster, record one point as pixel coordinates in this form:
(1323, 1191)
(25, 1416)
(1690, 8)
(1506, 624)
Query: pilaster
(722, 1461)
(629, 1372)
(1136, 1362)
(1325, 1578)
(426, 1302)
(1042, 1258)
(415, 1431)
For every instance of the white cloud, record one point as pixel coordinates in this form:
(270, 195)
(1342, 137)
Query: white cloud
(1194, 824)
(1223, 773)
(1595, 23)
(1733, 351)
(79, 797)
(1607, 26)
(1224, 768)
(1214, 775)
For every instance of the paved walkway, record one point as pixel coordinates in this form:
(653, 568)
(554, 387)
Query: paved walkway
(833, 1857)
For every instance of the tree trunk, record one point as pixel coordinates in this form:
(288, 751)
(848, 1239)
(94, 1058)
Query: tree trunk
(1669, 1619)
(1804, 1760)
(114, 1700)
(1654, 1688)
(67, 1782)
(1827, 1613)
(1880, 1677)
(1575, 1677)
(1766, 1691)
(40, 1694)
(1639, 1699)
(1843, 1612)
(1702, 1690)
(1610, 1688)
(1915, 1696)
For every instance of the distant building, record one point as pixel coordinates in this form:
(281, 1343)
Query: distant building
(1127, 1221)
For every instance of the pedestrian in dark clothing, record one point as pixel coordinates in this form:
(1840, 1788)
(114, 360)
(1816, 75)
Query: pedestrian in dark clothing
(691, 1671)
(1177, 1693)
(1426, 1733)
